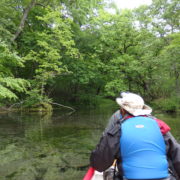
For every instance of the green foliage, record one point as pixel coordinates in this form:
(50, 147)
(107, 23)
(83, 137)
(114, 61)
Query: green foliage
(166, 16)
(76, 51)
(52, 43)
(8, 60)
(112, 88)
(9, 18)
(35, 99)
(79, 10)
(168, 105)
(9, 85)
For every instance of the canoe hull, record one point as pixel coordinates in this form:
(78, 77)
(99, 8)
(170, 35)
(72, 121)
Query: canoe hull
(97, 176)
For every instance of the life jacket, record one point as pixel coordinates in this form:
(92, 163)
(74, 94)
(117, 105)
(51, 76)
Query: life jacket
(162, 125)
(142, 147)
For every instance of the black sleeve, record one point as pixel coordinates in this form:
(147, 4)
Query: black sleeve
(173, 151)
(107, 150)
(113, 121)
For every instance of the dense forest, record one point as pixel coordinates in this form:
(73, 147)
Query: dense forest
(80, 52)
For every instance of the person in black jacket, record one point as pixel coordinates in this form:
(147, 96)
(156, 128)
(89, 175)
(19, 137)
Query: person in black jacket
(108, 149)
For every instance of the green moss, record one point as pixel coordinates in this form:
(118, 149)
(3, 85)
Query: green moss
(40, 107)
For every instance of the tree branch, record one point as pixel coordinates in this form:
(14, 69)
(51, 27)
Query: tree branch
(23, 19)
(15, 105)
(64, 106)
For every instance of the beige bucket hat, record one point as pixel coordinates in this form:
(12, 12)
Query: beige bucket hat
(134, 104)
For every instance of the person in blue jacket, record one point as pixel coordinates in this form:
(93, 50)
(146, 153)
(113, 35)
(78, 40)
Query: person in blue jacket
(142, 148)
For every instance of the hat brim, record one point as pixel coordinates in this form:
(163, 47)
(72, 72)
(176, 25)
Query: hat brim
(146, 110)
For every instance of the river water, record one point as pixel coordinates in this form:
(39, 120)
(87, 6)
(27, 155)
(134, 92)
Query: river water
(54, 146)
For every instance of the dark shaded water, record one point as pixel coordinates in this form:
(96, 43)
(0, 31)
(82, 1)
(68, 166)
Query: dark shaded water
(54, 147)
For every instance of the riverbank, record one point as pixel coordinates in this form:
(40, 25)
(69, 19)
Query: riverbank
(169, 105)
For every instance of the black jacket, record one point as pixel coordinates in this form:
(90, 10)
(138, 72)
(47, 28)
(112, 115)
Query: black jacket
(108, 149)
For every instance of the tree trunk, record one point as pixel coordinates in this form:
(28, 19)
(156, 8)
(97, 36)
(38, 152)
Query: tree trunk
(177, 82)
(23, 19)
(98, 90)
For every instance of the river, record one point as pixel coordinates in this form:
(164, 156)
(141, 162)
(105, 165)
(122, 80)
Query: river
(54, 146)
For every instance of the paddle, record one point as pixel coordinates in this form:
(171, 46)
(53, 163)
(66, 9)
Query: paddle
(89, 174)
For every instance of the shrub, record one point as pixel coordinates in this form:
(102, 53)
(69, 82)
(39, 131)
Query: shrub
(167, 104)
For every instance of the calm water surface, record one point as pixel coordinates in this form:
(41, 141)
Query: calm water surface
(54, 146)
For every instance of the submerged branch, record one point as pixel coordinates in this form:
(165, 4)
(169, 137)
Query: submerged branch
(68, 107)
(15, 105)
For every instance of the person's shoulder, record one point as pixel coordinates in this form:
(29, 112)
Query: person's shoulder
(162, 125)
(116, 114)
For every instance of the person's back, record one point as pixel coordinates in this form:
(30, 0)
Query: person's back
(143, 150)
(145, 143)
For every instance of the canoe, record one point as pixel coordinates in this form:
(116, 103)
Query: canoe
(97, 176)
(92, 174)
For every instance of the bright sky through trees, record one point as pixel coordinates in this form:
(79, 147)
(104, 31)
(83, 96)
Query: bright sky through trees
(130, 4)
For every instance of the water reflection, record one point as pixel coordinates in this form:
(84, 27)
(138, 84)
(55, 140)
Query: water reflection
(50, 147)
